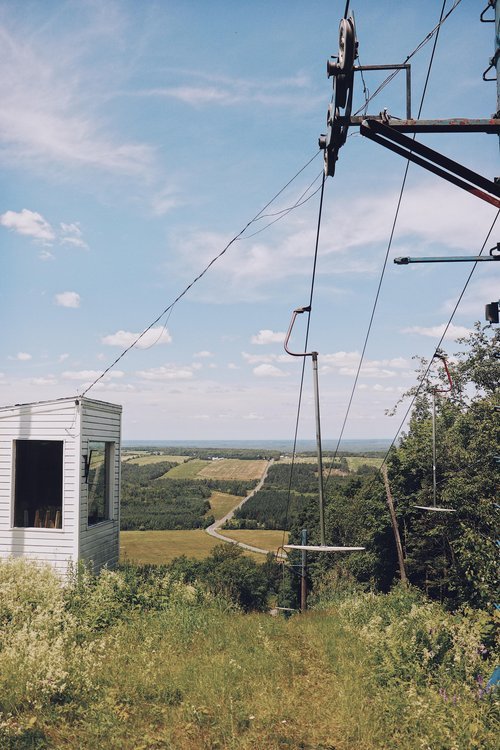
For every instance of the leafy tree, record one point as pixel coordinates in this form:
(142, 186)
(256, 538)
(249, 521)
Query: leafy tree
(228, 572)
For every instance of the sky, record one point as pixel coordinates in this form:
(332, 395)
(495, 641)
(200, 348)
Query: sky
(137, 139)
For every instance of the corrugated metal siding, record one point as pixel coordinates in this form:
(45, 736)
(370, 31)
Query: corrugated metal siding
(99, 544)
(57, 420)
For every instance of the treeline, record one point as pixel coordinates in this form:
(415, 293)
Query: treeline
(250, 454)
(151, 501)
(275, 506)
(452, 556)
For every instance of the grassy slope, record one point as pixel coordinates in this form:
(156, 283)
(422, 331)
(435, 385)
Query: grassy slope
(265, 539)
(356, 676)
(221, 503)
(144, 460)
(188, 470)
(159, 547)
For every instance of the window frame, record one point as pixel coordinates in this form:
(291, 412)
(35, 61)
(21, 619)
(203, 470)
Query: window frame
(109, 467)
(15, 484)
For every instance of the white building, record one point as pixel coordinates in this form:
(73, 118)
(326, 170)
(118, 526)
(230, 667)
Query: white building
(60, 481)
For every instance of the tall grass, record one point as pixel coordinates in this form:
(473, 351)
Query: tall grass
(141, 661)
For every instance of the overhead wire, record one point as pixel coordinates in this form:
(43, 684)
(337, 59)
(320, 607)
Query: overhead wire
(306, 341)
(386, 258)
(424, 41)
(438, 345)
(197, 278)
(285, 211)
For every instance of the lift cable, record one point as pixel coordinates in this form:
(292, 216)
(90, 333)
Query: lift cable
(389, 245)
(438, 346)
(285, 211)
(197, 278)
(306, 341)
(424, 41)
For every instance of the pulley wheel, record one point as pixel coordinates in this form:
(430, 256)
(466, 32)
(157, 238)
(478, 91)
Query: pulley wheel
(347, 45)
(341, 89)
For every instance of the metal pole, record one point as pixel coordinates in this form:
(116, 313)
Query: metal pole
(434, 447)
(395, 527)
(303, 578)
(497, 47)
(314, 357)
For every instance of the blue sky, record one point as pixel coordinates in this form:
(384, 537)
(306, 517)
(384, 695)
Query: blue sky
(136, 139)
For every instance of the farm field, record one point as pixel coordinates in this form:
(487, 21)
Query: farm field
(221, 503)
(158, 547)
(263, 538)
(233, 468)
(150, 459)
(354, 462)
(225, 468)
(187, 470)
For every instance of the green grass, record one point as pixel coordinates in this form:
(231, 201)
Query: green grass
(221, 503)
(144, 460)
(234, 468)
(187, 470)
(264, 538)
(172, 668)
(354, 462)
(159, 547)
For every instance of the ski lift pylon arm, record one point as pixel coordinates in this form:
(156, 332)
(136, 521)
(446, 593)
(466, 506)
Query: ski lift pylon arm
(297, 311)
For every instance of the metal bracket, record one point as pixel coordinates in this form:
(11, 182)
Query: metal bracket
(491, 4)
(432, 160)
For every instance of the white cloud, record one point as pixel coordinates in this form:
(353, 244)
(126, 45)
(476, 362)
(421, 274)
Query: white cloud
(452, 333)
(203, 354)
(91, 374)
(49, 380)
(29, 223)
(164, 201)
(67, 299)
(46, 255)
(434, 216)
(168, 372)
(48, 111)
(22, 356)
(266, 336)
(268, 371)
(71, 234)
(227, 91)
(124, 339)
(62, 357)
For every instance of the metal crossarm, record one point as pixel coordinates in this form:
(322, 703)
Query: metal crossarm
(431, 160)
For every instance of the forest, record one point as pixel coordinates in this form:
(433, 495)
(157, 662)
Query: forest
(452, 557)
(151, 501)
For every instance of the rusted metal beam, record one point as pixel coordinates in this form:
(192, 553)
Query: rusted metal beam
(431, 160)
(454, 125)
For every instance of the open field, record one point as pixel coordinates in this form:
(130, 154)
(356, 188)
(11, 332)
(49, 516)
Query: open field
(225, 468)
(221, 503)
(150, 459)
(187, 470)
(263, 538)
(354, 462)
(233, 468)
(157, 547)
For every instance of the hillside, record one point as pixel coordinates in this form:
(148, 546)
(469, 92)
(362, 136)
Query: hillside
(136, 661)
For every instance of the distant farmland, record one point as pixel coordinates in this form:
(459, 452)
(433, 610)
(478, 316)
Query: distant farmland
(233, 468)
(225, 468)
(160, 547)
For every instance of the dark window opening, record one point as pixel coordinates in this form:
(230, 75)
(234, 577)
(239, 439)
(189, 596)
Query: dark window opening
(99, 481)
(38, 483)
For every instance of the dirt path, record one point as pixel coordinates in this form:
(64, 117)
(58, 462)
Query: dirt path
(213, 528)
